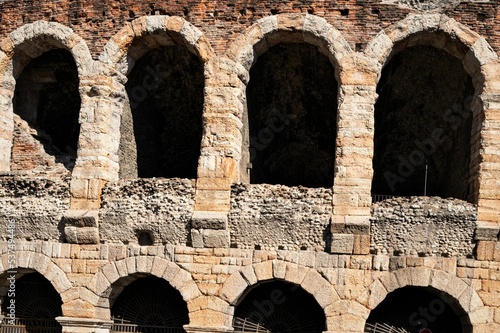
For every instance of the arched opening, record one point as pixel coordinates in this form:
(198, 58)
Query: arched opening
(48, 100)
(423, 125)
(30, 302)
(292, 117)
(145, 238)
(161, 131)
(148, 305)
(418, 310)
(279, 306)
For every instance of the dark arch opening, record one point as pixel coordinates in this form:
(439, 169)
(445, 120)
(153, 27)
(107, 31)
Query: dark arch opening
(145, 237)
(292, 117)
(279, 306)
(48, 99)
(161, 132)
(423, 120)
(36, 303)
(152, 304)
(415, 309)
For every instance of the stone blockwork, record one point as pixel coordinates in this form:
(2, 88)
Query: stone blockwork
(215, 237)
(212, 281)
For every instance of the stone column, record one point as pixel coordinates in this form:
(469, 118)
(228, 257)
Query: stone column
(97, 162)
(484, 163)
(7, 85)
(218, 166)
(350, 225)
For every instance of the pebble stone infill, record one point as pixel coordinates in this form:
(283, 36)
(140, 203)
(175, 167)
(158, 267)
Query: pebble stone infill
(425, 226)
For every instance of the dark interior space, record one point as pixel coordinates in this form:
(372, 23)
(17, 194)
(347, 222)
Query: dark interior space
(292, 117)
(423, 120)
(151, 303)
(415, 310)
(161, 132)
(279, 306)
(47, 97)
(37, 304)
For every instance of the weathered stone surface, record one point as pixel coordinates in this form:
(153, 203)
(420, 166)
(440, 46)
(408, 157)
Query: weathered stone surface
(279, 217)
(233, 288)
(215, 238)
(80, 219)
(209, 220)
(272, 232)
(430, 226)
(162, 207)
(342, 243)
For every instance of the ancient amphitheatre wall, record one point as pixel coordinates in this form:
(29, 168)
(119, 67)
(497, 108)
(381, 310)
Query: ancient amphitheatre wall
(213, 258)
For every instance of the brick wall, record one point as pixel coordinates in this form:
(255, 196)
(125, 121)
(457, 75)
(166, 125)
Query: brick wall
(96, 21)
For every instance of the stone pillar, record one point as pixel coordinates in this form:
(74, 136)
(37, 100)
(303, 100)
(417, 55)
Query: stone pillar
(84, 325)
(96, 162)
(219, 162)
(350, 225)
(485, 168)
(7, 86)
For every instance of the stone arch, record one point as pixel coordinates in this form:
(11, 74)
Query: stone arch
(461, 293)
(479, 61)
(35, 38)
(42, 264)
(17, 50)
(119, 56)
(272, 30)
(249, 276)
(457, 39)
(38, 262)
(156, 30)
(129, 269)
(267, 32)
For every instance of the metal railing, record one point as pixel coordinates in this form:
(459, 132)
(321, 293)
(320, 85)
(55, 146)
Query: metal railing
(381, 197)
(247, 325)
(30, 325)
(383, 328)
(134, 328)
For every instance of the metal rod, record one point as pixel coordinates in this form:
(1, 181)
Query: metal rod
(425, 183)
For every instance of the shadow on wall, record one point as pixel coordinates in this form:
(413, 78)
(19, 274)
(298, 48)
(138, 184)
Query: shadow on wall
(418, 309)
(278, 306)
(423, 120)
(161, 130)
(292, 117)
(48, 99)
